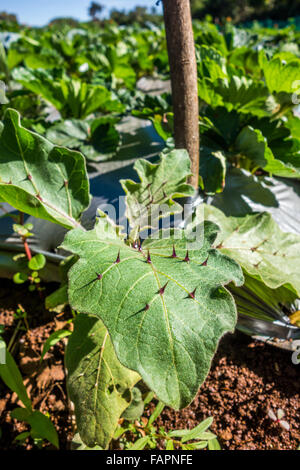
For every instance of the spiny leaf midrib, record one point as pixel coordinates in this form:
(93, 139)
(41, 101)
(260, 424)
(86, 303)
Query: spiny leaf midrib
(267, 253)
(165, 309)
(166, 314)
(203, 306)
(126, 295)
(136, 256)
(167, 320)
(143, 188)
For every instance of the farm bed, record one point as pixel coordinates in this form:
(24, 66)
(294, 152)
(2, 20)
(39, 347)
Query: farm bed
(247, 378)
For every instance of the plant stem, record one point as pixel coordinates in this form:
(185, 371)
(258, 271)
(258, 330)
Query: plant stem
(24, 240)
(26, 248)
(183, 68)
(12, 339)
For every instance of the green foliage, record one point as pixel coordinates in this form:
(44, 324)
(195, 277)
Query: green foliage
(269, 258)
(213, 171)
(37, 262)
(53, 339)
(20, 278)
(95, 9)
(159, 185)
(213, 444)
(3, 99)
(257, 300)
(243, 10)
(148, 435)
(251, 143)
(40, 424)
(136, 407)
(260, 247)
(57, 298)
(71, 97)
(11, 376)
(138, 15)
(281, 76)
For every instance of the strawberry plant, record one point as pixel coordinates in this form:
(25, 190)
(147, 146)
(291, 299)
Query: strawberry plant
(98, 139)
(71, 97)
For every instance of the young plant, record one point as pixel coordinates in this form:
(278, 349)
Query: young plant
(278, 418)
(149, 435)
(34, 263)
(154, 309)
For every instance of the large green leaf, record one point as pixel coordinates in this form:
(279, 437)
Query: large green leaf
(159, 185)
(45, 59)
(282, 76)
(210, 63)
(243, 94)
(259, 246)
(248, 59)
(39, 178)
(98, 384)
(252, 144)
(165, 314)
(240, 93)
(223, 122)
(212, 170)
(97, 139)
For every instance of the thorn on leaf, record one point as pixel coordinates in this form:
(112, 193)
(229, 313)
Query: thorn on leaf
(192, 294)
(205, 262)
(118, 258)
(174, 252)
(162, 289)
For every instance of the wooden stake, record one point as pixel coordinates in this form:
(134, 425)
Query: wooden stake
(183, 68)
